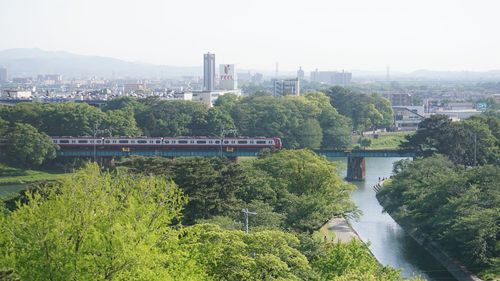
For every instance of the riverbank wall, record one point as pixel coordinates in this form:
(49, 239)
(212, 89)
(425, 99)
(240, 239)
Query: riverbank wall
(460, 272)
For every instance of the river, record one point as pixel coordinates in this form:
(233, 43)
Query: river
(388, 242)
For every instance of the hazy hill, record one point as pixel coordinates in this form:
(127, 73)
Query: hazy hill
(31, 62)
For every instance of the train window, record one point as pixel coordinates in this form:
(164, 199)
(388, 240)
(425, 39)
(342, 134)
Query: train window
(142, 141)
(182, 141)
(54, 141)
(122, 141)
(151, 141)
(82, 141)
(63, 141)
(91, 141)
(191, 141)
(201, 142)
(251, 142)
(226, 142)
(270, 142)
(98, 141)
(217, 142)
(73, 141)
(210, 142)
(166, 141)
(114, 141)
(242, 142)
(158, 141)
(233, 141)
(107, 141)
(261, 142)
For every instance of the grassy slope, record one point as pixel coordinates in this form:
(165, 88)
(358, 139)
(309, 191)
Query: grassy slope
(13, 180)
(389, 140)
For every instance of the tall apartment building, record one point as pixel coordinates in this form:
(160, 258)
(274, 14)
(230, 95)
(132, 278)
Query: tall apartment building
(300, 73)
(209, 72)
(287, 87)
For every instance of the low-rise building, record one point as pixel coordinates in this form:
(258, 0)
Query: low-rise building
(286, 87)
(407, 118)
(16, 94)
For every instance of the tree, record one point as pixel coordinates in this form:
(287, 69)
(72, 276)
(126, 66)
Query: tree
(172, 118)
(27, 147)
(234, 255)
(3, 127)
(302, 122)
(121, 123)
(217, 121)
(211, 184)
(306, 188)
(365, 111)
(96, 226)
(340, 261)
(455, 208)
(364, 142)
(466, 142)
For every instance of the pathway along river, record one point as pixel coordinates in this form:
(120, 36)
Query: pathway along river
(388, 242)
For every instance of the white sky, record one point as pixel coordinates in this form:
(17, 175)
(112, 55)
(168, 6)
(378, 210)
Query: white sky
(327, 34)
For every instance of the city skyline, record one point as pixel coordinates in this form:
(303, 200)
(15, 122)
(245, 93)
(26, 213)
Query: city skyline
(328, 35)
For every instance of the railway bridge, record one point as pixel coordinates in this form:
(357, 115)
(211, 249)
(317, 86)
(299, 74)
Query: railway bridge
(356, 167)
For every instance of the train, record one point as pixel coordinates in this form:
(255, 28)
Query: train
(229, 143)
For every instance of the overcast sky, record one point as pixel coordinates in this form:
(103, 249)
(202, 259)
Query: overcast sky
(324, 34)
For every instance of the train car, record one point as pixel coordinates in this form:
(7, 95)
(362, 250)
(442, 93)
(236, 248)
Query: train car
(168, 142)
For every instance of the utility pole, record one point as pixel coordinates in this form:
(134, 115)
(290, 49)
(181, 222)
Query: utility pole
(97, 131)
(246, 212)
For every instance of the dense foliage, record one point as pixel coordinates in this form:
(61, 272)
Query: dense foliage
(121, 226)
(70, 119)
(26, 146)
(291, 189)
(365, 111)
(459, 141)
(314, 120)
(457, 208)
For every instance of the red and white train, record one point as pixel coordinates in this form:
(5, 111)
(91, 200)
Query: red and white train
(169, 142)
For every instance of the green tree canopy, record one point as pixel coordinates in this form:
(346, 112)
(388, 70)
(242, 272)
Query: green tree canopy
(365, 111)
(27, 147)
(456, 208)
(460, 141)
(95, 226)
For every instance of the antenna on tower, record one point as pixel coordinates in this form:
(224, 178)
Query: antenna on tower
(388, 74)
(277, 69)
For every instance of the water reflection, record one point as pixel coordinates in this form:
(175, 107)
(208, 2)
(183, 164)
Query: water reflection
(388, 242)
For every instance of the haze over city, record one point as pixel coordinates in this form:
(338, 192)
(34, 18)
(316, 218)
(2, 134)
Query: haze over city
(329, 35)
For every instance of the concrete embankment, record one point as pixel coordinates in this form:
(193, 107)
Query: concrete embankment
(458, 271)
(343, 231)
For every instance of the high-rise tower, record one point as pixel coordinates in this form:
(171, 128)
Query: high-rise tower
(209, 72)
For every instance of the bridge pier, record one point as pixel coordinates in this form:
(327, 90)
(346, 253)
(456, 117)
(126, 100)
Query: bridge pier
(356, 168)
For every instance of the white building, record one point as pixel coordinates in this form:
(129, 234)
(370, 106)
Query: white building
(227, 77)
(209, 97)
(16, 94)
(459, 114)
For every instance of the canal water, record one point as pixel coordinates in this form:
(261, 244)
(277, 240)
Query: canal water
(388, 241)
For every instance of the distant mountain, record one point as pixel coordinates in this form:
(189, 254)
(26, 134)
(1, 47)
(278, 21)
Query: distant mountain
(454, 75)
(31, 62)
